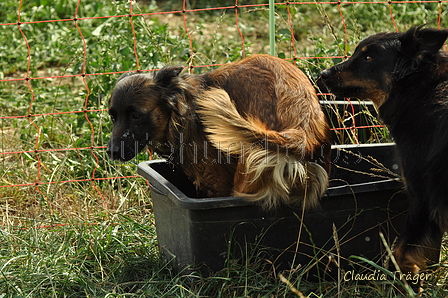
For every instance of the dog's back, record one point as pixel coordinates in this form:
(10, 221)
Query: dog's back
(266, 110)
(275, 92)
(258, 82)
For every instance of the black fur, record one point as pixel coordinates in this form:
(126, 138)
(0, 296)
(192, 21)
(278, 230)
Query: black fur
(406, 77)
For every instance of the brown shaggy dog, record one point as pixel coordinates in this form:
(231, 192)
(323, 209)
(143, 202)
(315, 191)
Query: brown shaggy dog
(253, 129)
(406, 76)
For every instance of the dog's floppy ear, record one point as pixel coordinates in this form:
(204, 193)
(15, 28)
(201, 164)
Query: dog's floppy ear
(166, 74)
(417, 43)
(168, 79)
(419, 40)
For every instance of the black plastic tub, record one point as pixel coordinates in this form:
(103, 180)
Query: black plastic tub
(365, 198)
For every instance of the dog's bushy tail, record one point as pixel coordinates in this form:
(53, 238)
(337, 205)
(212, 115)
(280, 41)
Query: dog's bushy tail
(272, 168)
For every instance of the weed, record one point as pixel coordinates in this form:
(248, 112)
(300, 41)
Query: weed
(69, 236)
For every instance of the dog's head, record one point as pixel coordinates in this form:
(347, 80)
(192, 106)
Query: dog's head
(382, 59)
(140, 108)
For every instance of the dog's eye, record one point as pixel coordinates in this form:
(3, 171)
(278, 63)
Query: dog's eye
(368, 58)
(136, 116)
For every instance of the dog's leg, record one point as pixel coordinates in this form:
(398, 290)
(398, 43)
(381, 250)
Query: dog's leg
(257, 186)
(419, 245)
(242, 180)
(414, 254)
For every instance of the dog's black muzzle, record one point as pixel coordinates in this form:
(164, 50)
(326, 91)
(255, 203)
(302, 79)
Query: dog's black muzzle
(123, 150)
(326, 74)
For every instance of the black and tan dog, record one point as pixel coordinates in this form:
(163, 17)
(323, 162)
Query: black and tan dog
(253, 128)
(405, 75)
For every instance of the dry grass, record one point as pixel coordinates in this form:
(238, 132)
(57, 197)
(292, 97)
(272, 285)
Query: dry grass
(80, 239)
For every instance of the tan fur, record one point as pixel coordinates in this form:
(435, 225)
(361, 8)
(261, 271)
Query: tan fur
(413, 258)
(274, 173)
(370, 89)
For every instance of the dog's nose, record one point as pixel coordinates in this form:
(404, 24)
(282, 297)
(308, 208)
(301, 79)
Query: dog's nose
(112, 150)
(325, 75)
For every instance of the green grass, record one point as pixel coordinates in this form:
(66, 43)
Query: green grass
(84, 239)
(119, 258)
